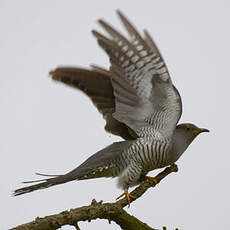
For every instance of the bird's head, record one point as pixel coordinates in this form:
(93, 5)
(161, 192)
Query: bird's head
(183, 136)
(190, 131)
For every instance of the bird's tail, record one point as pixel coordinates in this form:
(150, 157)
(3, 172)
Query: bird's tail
(45, 184)
(101, 164)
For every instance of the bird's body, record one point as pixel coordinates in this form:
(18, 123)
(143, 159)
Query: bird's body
(139, 103)
(144, 155)
(128, 160)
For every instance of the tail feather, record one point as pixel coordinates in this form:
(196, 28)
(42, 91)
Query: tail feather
(49, 175)
(100, 164)
(33, 181)
(46, 184)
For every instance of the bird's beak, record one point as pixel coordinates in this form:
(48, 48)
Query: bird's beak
(203, 130)
(200, 130)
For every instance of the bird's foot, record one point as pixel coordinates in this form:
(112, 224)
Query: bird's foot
(128, 196)
(152, 180)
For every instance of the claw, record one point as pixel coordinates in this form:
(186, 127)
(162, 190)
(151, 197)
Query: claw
(128, 196)
(151, 180)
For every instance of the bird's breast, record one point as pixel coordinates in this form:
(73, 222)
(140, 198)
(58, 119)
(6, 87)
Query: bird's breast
(152, 154)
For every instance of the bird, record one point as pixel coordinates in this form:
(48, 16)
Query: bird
(139, 102)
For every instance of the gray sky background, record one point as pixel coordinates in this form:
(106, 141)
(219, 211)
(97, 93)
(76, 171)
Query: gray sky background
(49, 128)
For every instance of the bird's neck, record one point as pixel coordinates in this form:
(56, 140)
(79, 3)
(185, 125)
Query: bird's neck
(179, 145)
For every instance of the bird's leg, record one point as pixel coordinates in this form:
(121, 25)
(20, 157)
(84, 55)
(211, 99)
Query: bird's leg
(152, 180)
(128, 196)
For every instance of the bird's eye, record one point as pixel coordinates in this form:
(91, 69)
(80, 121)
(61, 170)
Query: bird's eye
(187, 128)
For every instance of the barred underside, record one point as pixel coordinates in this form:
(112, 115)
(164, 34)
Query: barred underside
(141, 157)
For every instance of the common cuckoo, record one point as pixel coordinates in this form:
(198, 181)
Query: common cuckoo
(139, 103)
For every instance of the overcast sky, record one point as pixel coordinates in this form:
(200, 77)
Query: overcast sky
(49, 128)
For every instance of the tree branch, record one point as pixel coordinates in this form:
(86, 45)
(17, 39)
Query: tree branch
(110, 211)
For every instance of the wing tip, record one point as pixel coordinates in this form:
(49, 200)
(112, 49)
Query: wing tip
(53, 74)
(119, 12)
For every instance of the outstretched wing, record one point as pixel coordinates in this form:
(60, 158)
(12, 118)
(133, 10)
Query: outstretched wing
(145, 97)
(96, 84)
(152, 45)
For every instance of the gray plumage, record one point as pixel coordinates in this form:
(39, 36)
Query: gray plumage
(139, 103)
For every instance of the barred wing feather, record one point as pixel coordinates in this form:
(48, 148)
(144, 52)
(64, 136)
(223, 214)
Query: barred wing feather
(96, 84)
(144, 94)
